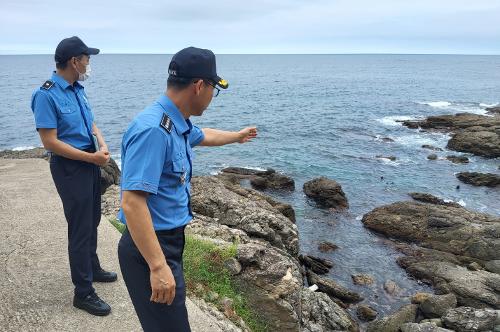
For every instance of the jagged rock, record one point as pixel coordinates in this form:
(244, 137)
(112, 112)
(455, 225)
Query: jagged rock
(422, 327)
(493, 110)
(430, 147)
(366, 313)
(271, 281)
(24, 154)
(316, 264)
(362, 279)
(243, 209)
(333, 289)
(452, 238)
(392, 323)
(445, 228)
(420, 297)
(233, 266)
(493, 266)
(473, 133)
(432, 156)
(474, 266)
(325, 246)
(110, 201)
(391, 287)
(320, 313)
(110, 175)
(428, 198)
(479, 289)
(437, 305)
(435, 321)
(465, 319)
(458, 159)
(261, 180)
(326, 193)
(479, 179)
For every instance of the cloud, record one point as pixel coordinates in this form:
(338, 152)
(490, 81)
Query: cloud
(281, 26)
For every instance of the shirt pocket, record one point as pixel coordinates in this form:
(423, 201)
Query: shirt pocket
(179, 175)
(67, 109)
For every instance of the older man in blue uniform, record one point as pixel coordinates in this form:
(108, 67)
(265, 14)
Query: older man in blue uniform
(157, 161)
(65, 123)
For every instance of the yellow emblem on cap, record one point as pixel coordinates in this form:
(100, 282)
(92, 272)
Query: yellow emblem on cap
(223, 83)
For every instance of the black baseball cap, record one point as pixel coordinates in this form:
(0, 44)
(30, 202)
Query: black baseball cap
(70, 47)
(193, 62)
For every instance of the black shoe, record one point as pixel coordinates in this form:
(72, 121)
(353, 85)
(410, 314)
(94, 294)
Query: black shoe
(92, 304)
(104, 276)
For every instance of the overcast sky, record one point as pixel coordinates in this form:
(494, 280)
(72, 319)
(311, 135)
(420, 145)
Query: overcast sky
(256, 26)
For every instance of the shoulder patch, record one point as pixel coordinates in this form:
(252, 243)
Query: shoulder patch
(166, 123)
(47, 85)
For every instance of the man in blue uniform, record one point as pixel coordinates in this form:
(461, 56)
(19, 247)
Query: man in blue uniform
(157, 161)
(66, 127)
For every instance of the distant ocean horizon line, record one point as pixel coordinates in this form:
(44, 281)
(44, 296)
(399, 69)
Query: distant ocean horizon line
(319, 54)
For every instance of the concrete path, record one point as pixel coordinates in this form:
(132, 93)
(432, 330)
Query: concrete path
(35, 285)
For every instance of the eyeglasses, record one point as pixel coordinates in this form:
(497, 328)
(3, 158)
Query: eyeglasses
(216, 89)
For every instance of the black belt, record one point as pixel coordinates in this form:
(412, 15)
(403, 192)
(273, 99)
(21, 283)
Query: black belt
(52, 154)
(173, 231)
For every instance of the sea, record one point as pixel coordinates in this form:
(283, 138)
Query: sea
(317, 115)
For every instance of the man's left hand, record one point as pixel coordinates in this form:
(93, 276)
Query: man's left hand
(247, 134)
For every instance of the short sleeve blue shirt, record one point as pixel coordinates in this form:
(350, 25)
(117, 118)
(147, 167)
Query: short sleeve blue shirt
(64, 107)
(157, 159)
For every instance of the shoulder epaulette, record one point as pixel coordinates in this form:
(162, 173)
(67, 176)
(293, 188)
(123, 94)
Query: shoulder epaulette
(47, 85)
(166, 123)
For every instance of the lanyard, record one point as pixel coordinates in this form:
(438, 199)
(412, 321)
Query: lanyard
(83, 116)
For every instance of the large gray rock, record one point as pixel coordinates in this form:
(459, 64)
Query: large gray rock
(479, 179)
(110, 175)
(446, 228)
(242, 208)
(326, 193)
(453, 239)
(320, 313)
(392, 323)
(422, 327)
(437, 305)
(465, 319)
(479, 289)
(472, 133)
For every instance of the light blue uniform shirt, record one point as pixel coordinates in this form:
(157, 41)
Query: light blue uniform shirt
(158, 159)
(64, 107)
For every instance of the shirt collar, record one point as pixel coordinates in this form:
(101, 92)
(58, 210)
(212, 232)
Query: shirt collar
(182, 126)
(63, 83)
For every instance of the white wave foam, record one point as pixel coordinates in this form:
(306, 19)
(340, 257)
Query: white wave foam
(473, 108)
(434, 139)
(462, 203)
(436, 104)
(23, 148)
(488, 105)
(394, 120)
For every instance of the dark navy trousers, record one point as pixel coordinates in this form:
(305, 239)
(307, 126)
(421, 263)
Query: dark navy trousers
(155, 317)
(78, 185)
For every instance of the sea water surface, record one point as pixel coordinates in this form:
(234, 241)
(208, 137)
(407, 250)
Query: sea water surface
(317, 115)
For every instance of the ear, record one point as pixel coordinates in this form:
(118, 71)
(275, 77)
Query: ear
(197, 87)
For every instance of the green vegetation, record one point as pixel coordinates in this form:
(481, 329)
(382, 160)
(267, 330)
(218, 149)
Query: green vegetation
(207, 278)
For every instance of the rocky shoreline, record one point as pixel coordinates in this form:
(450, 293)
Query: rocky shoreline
(455, 250)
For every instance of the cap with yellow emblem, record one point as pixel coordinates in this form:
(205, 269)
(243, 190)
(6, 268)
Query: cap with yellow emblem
(193, 62)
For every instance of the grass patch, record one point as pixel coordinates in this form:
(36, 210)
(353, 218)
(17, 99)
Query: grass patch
(207, 278)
